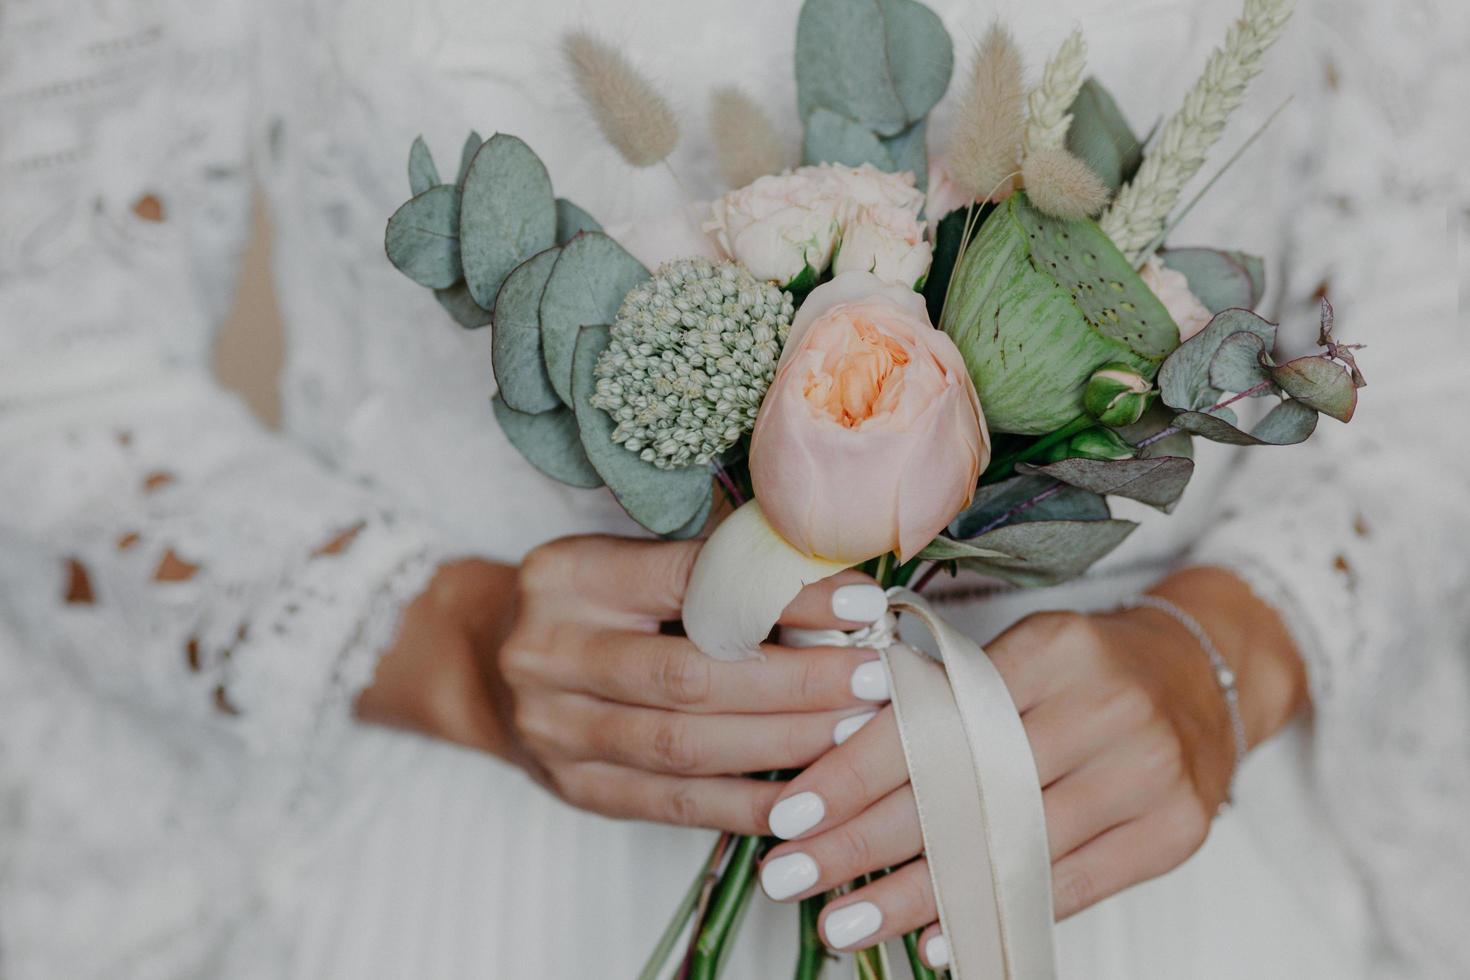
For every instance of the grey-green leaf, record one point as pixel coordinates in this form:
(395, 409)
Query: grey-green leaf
(1321, 383)
(507, 214)
(695, 525)
(1047, 552)
(664, 501)
(423, 238)
(472, 146)
(1158, 481)
(586, 287)
(550, 441)
(1026, 498)
(1221, 280)
(515, 343)
(422, 174)
(1184, 379)
(920, 55)
(948, 549)
(909, 151)
(1101, 137)
(1237, 364)
(831, 138)
(1286, 424)
(570, 220)
(461, 305)
(842, 64)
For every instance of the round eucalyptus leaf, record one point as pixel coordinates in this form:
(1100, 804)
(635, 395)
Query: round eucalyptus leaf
(459, 304)
(832, 138)
(1289, 423)
(1320, 383)
(1237, 365)
(515, 343)
(423, 238)
(571, 219)
(472, 145)
(920, 55)
(507, 214)
(842, 64)
(550, 441)
(1184, 378)
(587, 285)
(664, 501)
(696, 524)
(1221, 280)
(422, 174)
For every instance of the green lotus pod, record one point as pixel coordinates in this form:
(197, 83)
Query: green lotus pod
(1037, 305)
(1117, 395)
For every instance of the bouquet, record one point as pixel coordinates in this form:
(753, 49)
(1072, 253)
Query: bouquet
(878, 361)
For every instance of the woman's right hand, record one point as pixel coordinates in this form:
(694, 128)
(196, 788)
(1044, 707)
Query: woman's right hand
(560, 665)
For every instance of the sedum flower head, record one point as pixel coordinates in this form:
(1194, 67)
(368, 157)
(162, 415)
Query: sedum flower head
(692, 353)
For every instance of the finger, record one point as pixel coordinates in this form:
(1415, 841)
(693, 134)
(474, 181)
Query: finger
(1069, 729)
(632, 582)
(1126, 855)
(728, 803)
(669, 672)
(883, 836)
(934, 947)
(1018, 654)
(846, 601)
(1110, 790)
(702, 745)
(891, 906)
(844, 782)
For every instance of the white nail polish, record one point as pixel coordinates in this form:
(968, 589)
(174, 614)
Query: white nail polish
(936, 951)
(797, 814)
(851, 924)
(859, 603)
(847, 727)
(870, 681)
(788, 875)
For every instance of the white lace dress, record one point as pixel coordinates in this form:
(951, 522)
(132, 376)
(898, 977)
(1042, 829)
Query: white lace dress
(188, 603)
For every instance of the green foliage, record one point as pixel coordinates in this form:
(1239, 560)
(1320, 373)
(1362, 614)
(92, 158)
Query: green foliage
(1320, 383)
(1286, 424)
(1101, 137)
(1046, 552)
(571, 220)
(458, 303)
(1037, 305)
(1184, 379)
(550, 441)
(422, 174)
(1238, 364)
(1026, 498)
(515, 344)
(1158, 481)
(1222, 280)
(507, 214)
(664, 501)
(423, 238)
(947, 549)
(472, 145)
(909, 151)
(832, 138)
(586, 286)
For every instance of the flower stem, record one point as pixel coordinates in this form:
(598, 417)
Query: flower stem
(1001, 468)
(685, 911)
(729, 898)
(813, 952)
(916, 965)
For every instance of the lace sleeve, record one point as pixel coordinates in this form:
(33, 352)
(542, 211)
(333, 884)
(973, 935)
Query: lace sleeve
(1359, 538)
(155, 544)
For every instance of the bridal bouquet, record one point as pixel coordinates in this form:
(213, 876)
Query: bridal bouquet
(879, 360)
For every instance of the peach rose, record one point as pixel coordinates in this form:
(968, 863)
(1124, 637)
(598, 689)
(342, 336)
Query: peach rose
(871, 437)
(1172, 289)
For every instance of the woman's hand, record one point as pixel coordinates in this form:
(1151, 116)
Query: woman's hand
(1132, 743)
(560, 666)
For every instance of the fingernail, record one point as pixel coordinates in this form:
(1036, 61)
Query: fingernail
(787, 875)
(859, 603)
(851, 924)
(845, 728)
(870, 681)
(797, 814)
(936, 950)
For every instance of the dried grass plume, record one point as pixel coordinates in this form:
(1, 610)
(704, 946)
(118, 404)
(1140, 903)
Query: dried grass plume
(991, 120)
(632, 115)
(1061, 185)
(746, 143)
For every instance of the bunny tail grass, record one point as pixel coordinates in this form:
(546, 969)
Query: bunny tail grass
(1061, 185)
(990, 124)
(746, 143)
(632, 115)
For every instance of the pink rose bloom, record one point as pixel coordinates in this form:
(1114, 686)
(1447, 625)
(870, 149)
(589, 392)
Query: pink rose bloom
(871, 438)
(866, 186)
(888, 242)
(1172, 289)
(779, 225)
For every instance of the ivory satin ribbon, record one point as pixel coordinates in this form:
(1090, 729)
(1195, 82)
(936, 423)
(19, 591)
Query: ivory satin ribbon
(978, 796)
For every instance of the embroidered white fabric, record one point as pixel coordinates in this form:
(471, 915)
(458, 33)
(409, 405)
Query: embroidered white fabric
(175, 799)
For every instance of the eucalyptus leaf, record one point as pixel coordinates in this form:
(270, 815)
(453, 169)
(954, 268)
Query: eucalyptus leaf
(948, 549)
(422, 240)
(515, 344)
(1286, 424)
(842, 64)
(1221, 280)
(1237, 365)
(571, 219)
(1101, 137)
(1026, 498)
(422, 174)
(832, 138)
(1158, 481)
(1184, 379)
(507, 214)
(550, 441)
(909, 151)
(1155, 420)
(920, 54)
(461, 305)
(1321, 383)
(472, 145)
(587, 285)
(696, 523)
(664, 501)
(1047, 552)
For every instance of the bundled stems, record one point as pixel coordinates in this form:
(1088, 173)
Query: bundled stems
(812, 955)
(729, 898)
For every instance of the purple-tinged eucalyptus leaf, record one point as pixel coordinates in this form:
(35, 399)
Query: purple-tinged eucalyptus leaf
(1026, 498)
(1320, 383)
(1046, 552)
(422, 174)
(1155, 435)
(1286, 424)
(1221, 280)
(1240, 364)
(1184, 378)
(1158, 481)
(422, 239)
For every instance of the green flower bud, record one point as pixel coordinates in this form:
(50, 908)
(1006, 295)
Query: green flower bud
(1099, 443)
(1116, 394)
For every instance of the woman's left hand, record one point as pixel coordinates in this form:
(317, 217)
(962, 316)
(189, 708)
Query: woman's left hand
(1132, 743)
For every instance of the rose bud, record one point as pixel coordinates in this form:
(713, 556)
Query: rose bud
(1099, 443)
(1117, 395)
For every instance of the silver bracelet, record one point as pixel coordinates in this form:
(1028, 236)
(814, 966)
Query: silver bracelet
(1224, 676)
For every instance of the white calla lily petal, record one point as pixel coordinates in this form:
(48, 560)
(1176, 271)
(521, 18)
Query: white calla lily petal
(744, 577)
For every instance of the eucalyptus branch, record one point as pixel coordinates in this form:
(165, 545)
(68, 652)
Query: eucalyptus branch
(1167, 431)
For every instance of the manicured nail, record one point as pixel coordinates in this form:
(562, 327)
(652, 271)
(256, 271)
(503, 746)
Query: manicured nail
(936, 951)
(797, 814)
(859, 603)
(787, 875)
(845, 728)
(870, 681)
(851, 924)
